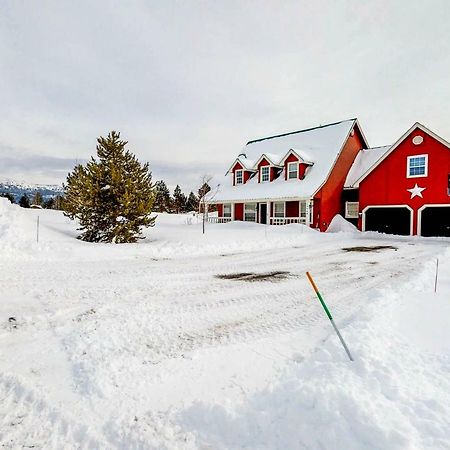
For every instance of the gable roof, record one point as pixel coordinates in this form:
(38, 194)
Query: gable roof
(364, 160)
(377, 162)
(322, 144)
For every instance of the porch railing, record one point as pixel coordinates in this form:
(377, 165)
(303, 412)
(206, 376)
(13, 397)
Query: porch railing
(286, 220)
(219, 219)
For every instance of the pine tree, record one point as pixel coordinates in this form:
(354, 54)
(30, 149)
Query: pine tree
(179, 200)
(112, 196)
(49, 203)
(162, 197)
(192, 202)
(24, 201)
(37, 199)
(58, 202)
(203, 190)
(9, 196)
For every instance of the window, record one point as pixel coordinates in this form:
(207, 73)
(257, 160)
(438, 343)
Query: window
(239, 176)
(302, 210)
(278, 209)
(417, 166)
(292, 170)
(250, 212)
(227, 210)
(265, 171)
(351, 210)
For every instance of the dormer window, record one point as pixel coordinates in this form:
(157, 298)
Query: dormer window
(292, 170)
(417, 166)
(239, 176)
(265, 174)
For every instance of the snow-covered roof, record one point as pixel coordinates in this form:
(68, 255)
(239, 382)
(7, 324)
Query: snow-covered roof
(320, 146)
(365, 159)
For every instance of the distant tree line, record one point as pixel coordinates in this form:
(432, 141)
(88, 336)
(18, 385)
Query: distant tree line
(36, 199)
(178, 202)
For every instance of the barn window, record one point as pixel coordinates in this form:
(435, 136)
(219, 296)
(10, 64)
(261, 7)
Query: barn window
(278, 209)
(292, 170)
(250, 212)
(417, 166)
(303, 210)
(239, 176)
(265, 173)
(227, 210)
(351, 210)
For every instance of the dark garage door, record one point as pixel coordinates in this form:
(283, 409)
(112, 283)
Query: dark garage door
(389, 220)
(436, 221)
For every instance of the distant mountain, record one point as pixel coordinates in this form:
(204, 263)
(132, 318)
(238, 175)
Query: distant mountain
(19, 189)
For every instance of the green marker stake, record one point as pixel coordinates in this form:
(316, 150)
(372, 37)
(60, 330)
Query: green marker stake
(324, 306)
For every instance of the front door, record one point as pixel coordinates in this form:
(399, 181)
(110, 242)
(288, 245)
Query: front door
(263, 213)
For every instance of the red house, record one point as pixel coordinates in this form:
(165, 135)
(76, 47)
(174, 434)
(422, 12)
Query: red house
(295, 177)
(404, 188)
(309, 176)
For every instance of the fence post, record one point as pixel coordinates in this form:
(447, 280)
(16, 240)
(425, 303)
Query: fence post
(37, 230)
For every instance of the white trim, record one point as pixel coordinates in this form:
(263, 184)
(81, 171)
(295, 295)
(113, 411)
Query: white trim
(420, 210)
(355, 123)
(261, 174)
(349, 216)
(408, 166)
(297, 164)
(231, 210)
(242, 163)
(259, 200)
(417, 125)
(411, 215)
(256, 212)
(284, 209)
(300, 159)
(235, 176)
(271, 163)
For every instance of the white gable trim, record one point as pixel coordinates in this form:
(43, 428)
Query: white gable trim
(264, 156)
(355, 123)
(293, 152)
(244, 167)
(416, 126)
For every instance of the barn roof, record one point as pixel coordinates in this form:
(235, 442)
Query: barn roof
(320, 146)
(365, 159)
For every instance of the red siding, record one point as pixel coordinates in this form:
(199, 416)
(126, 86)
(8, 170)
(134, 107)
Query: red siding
(238, 211)
(220, 209)
(301, 167)
(264, 162)
(329, 196)
(387, 184)
(292, 209)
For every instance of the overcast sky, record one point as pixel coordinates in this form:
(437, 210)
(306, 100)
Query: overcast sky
(188, 83)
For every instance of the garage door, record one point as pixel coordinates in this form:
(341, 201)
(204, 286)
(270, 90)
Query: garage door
(395, 220)
(435, 221)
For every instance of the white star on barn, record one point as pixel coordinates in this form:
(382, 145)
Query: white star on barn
(416, 191)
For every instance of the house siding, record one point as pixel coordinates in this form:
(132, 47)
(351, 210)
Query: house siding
(387, 184)
(328, 200)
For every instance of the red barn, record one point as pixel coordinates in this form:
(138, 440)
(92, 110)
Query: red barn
(295, 177)
(404, 188)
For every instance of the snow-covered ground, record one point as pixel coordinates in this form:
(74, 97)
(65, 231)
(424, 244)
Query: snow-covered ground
(147, 346)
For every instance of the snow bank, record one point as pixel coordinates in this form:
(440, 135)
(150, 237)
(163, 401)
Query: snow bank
(339, 224)
(394, 396)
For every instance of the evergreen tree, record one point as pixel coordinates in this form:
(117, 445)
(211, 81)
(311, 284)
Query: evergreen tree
(58, 202)
(24, 201)
(192, 202)
(112, 196)
(49, 204)
(9, 196)
(179, 200)
(162, 197)
(203, 190)
(37, 199)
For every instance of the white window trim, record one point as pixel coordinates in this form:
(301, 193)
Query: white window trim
(261, 174)
(231, 207)
(256, 212)
(305, 202)
(284, 209)
(241, 171)
(347, 214)
(289, 164)
(408, 167)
